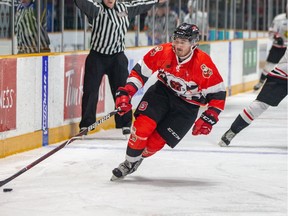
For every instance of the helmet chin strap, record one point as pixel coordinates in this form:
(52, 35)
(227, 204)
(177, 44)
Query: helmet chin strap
(189, 54)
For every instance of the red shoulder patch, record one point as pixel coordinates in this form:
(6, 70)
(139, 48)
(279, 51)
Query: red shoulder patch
(155, 50)
(206, 71)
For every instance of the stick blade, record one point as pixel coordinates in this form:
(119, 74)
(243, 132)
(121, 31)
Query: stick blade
(3, 183)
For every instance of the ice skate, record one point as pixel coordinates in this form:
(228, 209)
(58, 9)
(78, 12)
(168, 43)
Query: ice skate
(83, 131)
(124, 169)
(226, 138)
(126, 131)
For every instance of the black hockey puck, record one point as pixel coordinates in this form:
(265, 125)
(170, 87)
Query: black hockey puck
(7, 189)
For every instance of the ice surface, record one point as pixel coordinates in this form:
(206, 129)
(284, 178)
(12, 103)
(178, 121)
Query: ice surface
(197, 178)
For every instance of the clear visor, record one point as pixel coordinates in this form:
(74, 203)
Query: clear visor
(183, 41)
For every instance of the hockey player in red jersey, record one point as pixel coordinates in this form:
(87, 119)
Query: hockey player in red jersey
(187, 79)
(272, 93)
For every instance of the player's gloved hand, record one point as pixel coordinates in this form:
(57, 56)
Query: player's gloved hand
(123, 98)
(278, 40)
(204, 124)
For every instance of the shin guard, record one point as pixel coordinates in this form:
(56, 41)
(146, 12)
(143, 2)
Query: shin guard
(142, 129)
(154, 143)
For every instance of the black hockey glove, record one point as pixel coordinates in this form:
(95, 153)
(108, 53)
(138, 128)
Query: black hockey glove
(278, 40)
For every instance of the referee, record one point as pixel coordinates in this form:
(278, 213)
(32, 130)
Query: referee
(26, 29)
(110, 20)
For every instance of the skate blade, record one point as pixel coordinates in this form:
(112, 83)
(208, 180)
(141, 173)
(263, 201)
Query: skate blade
(222, 144)
(115, 178)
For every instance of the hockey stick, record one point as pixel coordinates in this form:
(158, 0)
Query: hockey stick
(91, 127)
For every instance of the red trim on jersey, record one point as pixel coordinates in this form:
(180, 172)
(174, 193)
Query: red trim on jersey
(246, 113)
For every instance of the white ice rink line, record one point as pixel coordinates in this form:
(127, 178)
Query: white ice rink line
(249, 178)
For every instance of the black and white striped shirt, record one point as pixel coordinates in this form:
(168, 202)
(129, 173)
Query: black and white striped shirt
(109, 26)
(27, 32)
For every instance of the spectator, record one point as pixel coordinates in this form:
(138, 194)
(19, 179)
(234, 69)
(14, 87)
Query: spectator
(26, 29)
(160, 22)
(197, 17)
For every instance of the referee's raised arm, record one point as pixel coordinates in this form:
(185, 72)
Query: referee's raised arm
(138, 7)
(88, 7)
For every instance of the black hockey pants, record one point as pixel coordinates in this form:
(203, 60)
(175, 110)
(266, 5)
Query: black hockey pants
(96, 66)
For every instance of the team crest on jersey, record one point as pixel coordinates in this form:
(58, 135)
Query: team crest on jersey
(181, 87)
(206, 72)
(155, 50)
(143, 105)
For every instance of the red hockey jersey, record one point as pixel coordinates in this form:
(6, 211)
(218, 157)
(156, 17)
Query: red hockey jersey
(196, 79)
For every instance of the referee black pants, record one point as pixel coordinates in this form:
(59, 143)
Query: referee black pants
(96, 66)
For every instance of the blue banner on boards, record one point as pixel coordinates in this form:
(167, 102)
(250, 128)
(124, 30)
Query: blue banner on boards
(45, 100)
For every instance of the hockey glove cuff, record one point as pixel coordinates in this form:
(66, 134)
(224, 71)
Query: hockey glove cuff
(123, 98)
(204, 124)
